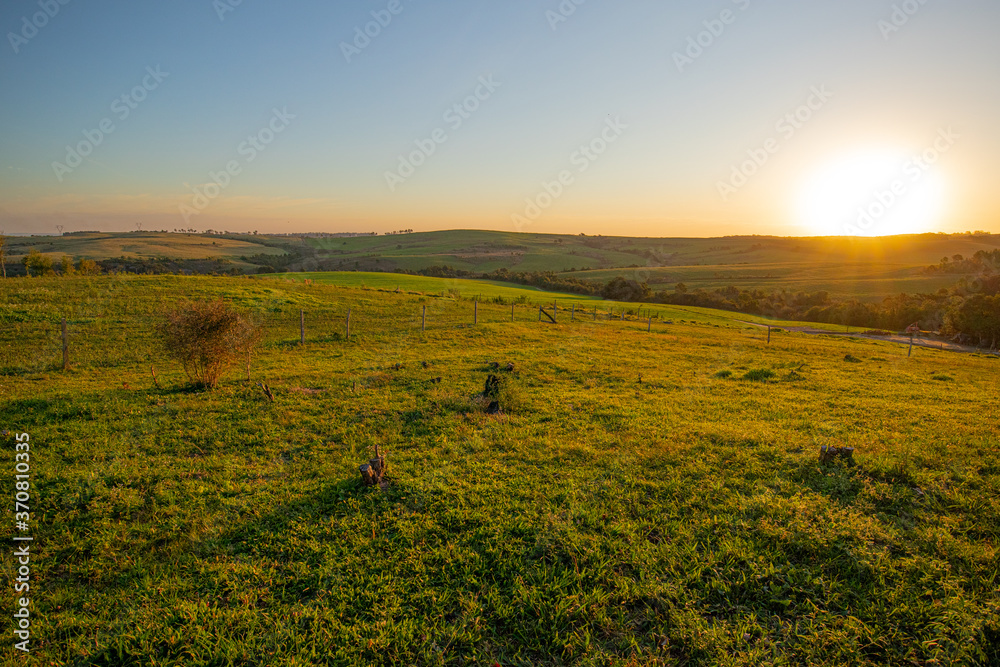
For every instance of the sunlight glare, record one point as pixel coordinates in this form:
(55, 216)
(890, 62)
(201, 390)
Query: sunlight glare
(872, 193)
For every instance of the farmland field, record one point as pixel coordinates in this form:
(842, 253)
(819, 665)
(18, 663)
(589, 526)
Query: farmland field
(643, 498)
(150, 245)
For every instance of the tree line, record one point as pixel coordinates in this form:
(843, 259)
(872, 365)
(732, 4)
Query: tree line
(970, 310)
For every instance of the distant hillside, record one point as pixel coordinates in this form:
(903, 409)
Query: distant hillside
(849, 268)
(171, 252)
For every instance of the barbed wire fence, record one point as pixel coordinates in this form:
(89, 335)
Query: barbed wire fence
(50, 340)
(37, 340)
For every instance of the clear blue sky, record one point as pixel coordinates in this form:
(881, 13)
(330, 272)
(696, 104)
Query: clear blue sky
(669, 132)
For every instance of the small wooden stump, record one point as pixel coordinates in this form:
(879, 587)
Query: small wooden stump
(267, 392)
(367, 476)
(373, 472)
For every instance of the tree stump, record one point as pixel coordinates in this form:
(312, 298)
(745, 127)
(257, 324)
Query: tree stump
(373, 472)
(367, 476)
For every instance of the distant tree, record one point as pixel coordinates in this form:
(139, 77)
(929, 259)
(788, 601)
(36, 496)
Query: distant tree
(978, 315)
(66, 265)
(37, 264)
(620, 289)
(681, 288)
(88, 267)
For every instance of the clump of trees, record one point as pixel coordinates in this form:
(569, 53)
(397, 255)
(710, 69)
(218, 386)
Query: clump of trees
(37, 264)
(984, 261)
(621, 289)
(208, 338)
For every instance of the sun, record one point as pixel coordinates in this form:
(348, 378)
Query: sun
(872, 193)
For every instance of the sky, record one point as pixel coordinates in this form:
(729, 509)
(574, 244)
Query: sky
(633, 117)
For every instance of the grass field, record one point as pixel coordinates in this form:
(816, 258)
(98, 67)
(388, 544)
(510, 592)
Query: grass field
(507, 293)
(638, 502)
(864, 282)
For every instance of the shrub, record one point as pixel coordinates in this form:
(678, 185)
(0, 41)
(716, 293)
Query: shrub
(207, 338)
(722, 375)
(37, 264)
(851, 359)
(88, 267)
(759, 375)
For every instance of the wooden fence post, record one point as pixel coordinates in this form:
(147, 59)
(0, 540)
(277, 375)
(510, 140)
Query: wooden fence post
(302, 326)
(348, 336)
(910, 351)
(649, 327)
(572, 314)
(511, 312)
(539, 313)
(475, 313)
(423, 320)
(768, 334)
(65, 342)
